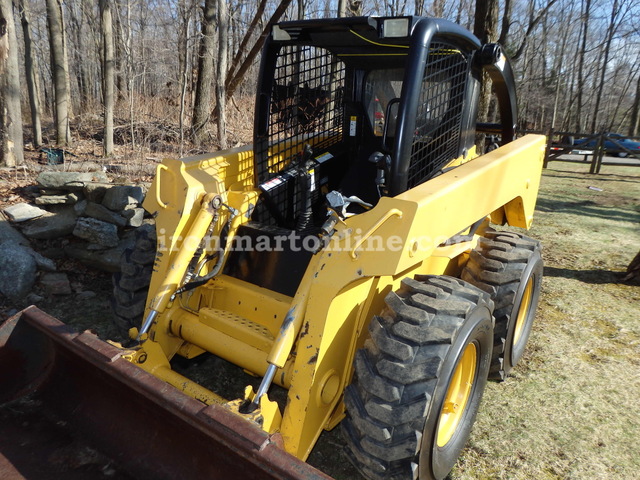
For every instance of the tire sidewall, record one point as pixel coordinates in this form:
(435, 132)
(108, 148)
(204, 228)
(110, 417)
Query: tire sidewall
(436, 462)
(513, 353)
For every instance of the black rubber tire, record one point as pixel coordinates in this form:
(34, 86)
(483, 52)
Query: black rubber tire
(403, 374)
(131, 283)
(623, 154)
(502, 264)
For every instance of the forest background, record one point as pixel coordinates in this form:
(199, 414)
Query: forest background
(179, 76)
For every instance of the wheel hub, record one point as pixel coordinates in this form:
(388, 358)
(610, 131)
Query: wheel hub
(457, 396)
(523, 311)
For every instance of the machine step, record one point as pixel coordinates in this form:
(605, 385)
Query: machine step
(237, 327)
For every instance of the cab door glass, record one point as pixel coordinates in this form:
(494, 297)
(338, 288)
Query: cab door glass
(382, 86)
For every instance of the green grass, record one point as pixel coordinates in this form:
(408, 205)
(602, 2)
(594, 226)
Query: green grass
(570, 409)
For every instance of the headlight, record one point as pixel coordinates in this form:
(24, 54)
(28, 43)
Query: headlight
(395, 27)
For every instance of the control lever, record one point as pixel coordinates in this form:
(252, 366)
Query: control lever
(339, 203)
(383, 162)
(327, 230)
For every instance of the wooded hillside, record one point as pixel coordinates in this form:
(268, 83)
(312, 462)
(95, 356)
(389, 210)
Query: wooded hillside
(165, 74)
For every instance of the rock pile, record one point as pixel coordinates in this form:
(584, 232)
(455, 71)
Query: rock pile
(95, 219)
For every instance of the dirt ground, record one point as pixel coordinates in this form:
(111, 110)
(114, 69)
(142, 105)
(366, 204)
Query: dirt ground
(569, 410)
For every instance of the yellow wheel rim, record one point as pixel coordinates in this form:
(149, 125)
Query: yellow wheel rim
(523, 312)
(457, 397)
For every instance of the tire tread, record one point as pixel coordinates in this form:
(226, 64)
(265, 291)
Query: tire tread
(496, 266)
(408, 344)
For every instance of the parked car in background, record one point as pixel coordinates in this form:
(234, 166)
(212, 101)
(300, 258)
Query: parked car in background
(613, 143)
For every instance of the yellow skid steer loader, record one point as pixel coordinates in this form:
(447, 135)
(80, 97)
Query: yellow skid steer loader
(346, 262)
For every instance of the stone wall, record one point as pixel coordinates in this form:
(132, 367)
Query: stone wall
(93, 219)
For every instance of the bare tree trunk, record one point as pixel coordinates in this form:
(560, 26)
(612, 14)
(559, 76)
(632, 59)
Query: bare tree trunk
(558, 80)
(183, 53)
(544, 54)
(184, 18)
(223, 29)
(506, 22)
(603, 73)
(634, 125)
(65, 56)
(633, 269)
(342, 8)
(204, 86)
(11, 143)
(77, 31)
(486, 29)
(485, 25)
(31, 72)
(233, 81)
(581, 55)
(438, 8)
(354, 8)
(614, 105)
(108, 76)
(242, 49)
(561, 82)
(59, 70)
(131, 80)
(120, 54)
(533, 23)
(568, 110)
(6, 153)
(297, 56)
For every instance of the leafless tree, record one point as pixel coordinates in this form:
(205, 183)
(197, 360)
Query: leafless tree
(32, 71)
(204, 85)
(11, 143)
(186, 11)
(108, 76)
(342, 8)
(221, 71)
(169, 61)
(611, 31)
(60, 72)
(586, 12)
(634, 124)
(485, 27)
(235, 79)
(535, 17)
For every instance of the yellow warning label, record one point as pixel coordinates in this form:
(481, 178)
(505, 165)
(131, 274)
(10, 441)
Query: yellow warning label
(352, 126)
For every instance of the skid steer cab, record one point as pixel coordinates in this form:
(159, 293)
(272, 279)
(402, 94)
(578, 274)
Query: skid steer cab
(349, 264)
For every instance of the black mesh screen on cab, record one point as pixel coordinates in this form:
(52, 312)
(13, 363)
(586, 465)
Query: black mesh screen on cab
(439, 116)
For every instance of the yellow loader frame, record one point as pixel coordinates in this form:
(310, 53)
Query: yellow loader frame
(308, 341)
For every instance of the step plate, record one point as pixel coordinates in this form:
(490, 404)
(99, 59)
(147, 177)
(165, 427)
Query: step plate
(237, 327)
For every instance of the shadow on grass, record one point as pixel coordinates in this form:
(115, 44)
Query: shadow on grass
(587, 276)
(587, 208)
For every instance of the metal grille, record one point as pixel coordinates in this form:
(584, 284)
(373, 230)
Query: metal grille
(306, 106)
(306, 109)
(439, 115)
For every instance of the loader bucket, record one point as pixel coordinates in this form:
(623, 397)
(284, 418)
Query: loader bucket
(147, 427)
